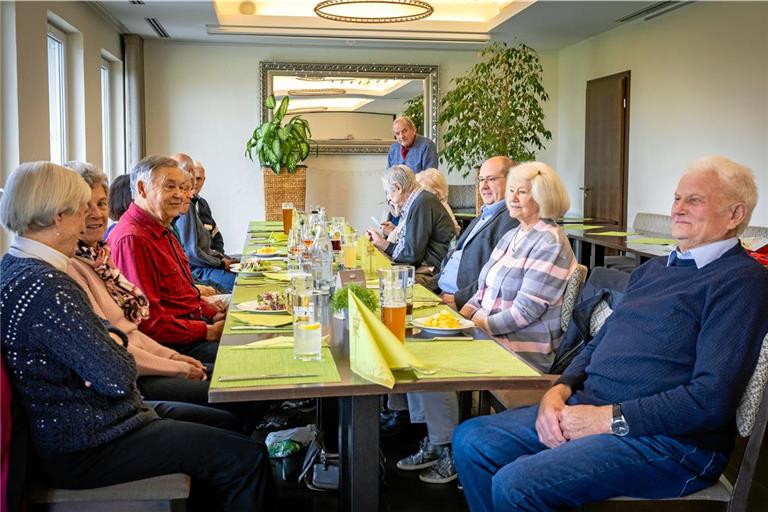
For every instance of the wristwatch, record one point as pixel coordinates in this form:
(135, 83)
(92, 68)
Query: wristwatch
(619, 425)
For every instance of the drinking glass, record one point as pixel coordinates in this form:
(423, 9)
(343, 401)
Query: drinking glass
(309, 316)
(349, 249)
(287, 217)
(393, 285)
(337, 229)
(294, 247)
(409, 291)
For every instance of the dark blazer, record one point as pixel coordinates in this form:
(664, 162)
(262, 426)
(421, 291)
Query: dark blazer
(477, 252)
(428, 231)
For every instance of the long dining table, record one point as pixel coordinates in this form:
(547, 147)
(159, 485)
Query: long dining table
(359, 404)
(589, 245)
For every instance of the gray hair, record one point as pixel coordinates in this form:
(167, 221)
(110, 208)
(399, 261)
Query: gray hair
(407, 120)
(145, 170)
(546, 188)
(400, 175)
(737, 182)
(90, 173)
(185, 162)
(36, 192)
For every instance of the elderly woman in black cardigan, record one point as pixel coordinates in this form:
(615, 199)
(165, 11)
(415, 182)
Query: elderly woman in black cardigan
(87, 420)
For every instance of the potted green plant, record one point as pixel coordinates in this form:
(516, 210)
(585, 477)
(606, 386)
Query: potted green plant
(281, 148)
(340, 301)
(495, 109)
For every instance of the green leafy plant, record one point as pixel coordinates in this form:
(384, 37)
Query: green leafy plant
(279, 146)
(341, 298)
(414, 109)
(495, 109)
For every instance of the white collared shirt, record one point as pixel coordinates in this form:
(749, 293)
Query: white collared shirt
(704, 254)
(27, 248)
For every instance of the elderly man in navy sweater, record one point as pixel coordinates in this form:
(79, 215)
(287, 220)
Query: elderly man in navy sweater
(648, 408)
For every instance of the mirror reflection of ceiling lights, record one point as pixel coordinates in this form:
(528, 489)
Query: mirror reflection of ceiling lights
(345, 104)
(347, 85)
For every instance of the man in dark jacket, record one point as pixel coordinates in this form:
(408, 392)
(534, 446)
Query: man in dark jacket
(461, 267)
(423, 240)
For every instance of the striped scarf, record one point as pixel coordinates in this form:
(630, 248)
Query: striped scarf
(404, 211)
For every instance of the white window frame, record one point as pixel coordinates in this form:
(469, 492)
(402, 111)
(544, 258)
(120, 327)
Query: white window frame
(105, 73)
(57, 103)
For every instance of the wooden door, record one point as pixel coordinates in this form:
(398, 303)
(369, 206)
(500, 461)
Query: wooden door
(606, 148)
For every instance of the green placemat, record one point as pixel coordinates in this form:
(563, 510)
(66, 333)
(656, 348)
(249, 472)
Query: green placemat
(613, 233)
(579, 227)
(574, 219)
(246, 293)
(653, 241)
(258, 319)
(233, 362)
(452, 356)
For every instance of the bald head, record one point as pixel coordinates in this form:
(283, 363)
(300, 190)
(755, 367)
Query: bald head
(493, 178)
(185, 162)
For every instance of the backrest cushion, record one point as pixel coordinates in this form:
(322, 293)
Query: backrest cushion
(571, 294)
(753, 395)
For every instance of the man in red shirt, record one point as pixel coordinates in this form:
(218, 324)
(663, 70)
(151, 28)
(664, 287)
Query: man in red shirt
(146, 251)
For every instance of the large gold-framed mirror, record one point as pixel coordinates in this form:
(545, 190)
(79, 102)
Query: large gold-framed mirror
(350, 107)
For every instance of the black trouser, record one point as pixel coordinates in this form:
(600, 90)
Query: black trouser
(230, 472)
(204, 351)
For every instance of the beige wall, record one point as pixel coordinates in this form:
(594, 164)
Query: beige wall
(25, 81)
(699, 86)
(203, 99)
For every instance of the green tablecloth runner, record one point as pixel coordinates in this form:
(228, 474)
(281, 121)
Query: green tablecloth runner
(579, 227)
(652, 241)
(231, 361)
(614, 233)
(450, 356)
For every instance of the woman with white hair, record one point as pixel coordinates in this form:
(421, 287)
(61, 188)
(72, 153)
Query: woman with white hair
(427, 228)
(434, 181)
(520, 289)
(87, 420)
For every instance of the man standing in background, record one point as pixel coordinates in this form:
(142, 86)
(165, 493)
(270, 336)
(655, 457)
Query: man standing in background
(410, 148)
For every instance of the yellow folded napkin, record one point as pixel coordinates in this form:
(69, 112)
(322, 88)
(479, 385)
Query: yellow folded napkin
(277, 276)
(373, 349)
(272, 320)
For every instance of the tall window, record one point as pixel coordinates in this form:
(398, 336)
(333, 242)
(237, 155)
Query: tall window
(106, 118)
(57, 94)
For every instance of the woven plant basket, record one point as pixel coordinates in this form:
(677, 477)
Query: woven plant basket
(282, 188)
(478, 197)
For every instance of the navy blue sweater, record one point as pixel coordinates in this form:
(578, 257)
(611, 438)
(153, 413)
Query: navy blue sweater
(52, 343)
(678, 351)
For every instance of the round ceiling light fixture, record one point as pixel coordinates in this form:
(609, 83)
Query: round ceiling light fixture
(373, 11)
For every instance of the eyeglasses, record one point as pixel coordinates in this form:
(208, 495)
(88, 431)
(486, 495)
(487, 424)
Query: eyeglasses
(488, 179)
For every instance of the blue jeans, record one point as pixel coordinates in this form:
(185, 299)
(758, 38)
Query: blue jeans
(223, 278)
(503, 466)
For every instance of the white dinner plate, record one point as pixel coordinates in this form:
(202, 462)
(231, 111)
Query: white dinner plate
(252, 306)
(463, 324)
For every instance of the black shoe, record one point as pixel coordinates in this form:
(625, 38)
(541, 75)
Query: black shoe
(395, 425)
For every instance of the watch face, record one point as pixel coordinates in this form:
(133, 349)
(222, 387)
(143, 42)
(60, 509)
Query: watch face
(619, 426)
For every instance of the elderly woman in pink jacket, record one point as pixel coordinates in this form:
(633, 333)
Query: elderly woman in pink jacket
(164, 374)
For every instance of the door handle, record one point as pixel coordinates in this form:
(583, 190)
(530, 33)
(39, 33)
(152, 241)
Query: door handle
(585, 188)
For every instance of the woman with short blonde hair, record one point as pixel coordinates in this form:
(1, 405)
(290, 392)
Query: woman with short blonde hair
(433, 181)
(520, 289)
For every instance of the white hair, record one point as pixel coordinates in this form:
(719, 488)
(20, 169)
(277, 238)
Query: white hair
(737, 182)
(546, 188)
(36, 192)
(401, 175)
(145, 170)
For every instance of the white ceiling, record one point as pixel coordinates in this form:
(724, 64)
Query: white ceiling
(544, 24)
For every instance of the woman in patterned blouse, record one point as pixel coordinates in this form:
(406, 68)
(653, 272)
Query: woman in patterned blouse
(520, 289)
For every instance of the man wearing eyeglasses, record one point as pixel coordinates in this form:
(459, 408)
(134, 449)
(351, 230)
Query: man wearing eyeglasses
(462, 265)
